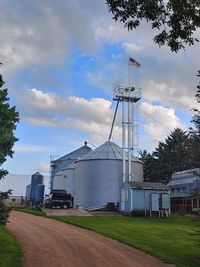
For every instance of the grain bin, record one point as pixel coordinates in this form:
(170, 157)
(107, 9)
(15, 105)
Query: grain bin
(98, 176)
(62, 162)
(36, 178)
(28, 192)
(59, 181)
(39, 194)
(68, 174)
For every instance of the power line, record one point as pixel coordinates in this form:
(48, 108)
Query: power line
(154, 119)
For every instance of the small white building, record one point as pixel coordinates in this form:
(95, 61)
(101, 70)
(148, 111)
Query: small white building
(143, 197)
(15, 202)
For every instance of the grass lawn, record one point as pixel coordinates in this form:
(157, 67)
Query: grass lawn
(10, 250)
(174, 240)
(36, 211)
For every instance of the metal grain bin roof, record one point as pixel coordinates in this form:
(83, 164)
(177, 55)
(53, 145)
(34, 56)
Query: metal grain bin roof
(76, 154)
(108, 150)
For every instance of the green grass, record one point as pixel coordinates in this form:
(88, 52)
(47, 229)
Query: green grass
(10, 250)
(174, 240)
(36, 211)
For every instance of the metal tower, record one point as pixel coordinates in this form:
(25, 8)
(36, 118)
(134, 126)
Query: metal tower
(128, 95)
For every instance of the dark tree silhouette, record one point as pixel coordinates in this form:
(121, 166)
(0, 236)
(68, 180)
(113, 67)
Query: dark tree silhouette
(175, 21)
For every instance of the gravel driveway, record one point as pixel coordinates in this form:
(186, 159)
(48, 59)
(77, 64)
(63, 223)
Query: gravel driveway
(49, 243)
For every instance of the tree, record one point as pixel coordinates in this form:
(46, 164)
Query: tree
(195, 132)
(4, 211)
(196, 117)
(175, 20)
(8, 119)
(173, 155)
(149, 161)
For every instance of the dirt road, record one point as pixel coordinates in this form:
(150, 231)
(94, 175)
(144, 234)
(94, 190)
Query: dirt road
(49, 243)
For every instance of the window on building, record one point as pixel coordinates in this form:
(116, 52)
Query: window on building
(13, 199)
(194, 200)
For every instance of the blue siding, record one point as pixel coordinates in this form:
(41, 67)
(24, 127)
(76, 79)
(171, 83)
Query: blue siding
(39, 195)
(28, 192)
(127, 203)
(142, 198)
(139, 199)
(36, 179)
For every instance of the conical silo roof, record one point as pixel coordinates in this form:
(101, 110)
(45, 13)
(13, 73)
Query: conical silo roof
(37, 174)
(76, 154)
(109, 151)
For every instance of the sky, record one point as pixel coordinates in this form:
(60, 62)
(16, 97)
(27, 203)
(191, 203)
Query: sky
(62, 60)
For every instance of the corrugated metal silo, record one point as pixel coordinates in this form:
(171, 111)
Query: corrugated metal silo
(98, 176)
(39, 194)
(28, 192)
(59, 181)
(62, 162)
(36, 178)
(68, 174)
(68, 159)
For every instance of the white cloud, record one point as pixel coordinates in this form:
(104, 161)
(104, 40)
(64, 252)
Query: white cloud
(93, 116)
(161, 120)
(26, 148)
(43, 167)
(131, 47)
(35, 32)
(174, 94)
(165, 77)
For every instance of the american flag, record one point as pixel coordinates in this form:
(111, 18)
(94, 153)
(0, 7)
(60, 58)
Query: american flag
(134, 62)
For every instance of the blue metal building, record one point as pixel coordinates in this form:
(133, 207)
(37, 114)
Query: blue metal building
(143, 197)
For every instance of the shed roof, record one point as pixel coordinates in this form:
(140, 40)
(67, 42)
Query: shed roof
(148, 185)
(108, 150)
(185, 177)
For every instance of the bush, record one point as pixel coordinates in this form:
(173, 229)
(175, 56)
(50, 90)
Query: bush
(4, 211)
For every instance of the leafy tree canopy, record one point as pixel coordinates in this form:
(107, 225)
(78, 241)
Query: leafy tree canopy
(8, 119)
(175, 20)
(177, 153)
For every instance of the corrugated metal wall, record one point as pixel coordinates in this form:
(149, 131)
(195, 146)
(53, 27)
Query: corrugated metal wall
(98, 182)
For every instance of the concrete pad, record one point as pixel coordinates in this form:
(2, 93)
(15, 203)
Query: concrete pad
(66, 212)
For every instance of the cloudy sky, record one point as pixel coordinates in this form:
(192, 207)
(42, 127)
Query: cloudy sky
(62, 60)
